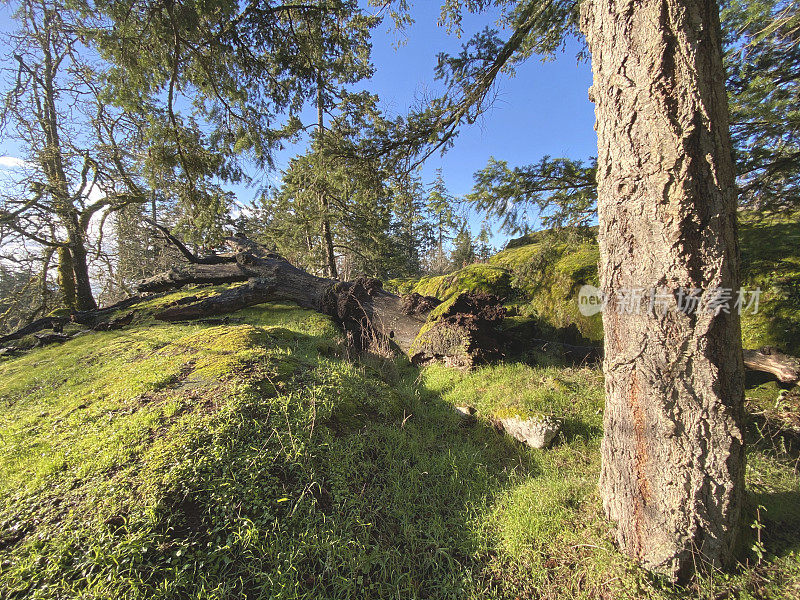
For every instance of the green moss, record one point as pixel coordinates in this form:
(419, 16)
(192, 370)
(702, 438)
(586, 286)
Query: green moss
(400, 286)
(771, 262)
(477, 277)
(515, 258)
(437, 312)
(159, 302)
(548, 274)
(550, 267)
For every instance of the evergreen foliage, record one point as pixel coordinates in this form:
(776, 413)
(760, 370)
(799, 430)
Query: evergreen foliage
(763, 65)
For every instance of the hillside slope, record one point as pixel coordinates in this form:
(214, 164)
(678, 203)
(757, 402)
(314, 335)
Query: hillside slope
(255, 458)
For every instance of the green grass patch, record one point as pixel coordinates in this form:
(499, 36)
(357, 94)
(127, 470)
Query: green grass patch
(255, 459)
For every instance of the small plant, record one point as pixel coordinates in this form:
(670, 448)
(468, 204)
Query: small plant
(758, 546)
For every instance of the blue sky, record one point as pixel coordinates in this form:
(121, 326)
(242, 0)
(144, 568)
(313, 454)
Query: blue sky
(543, 110)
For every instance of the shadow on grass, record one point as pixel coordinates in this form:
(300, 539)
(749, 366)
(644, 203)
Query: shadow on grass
(780, 516)
(573, 429)
(360, 483)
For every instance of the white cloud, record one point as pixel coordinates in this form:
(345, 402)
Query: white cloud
(12, 162)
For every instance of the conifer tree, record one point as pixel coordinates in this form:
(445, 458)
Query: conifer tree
(673, 460)
(762, 60)
(443, 222)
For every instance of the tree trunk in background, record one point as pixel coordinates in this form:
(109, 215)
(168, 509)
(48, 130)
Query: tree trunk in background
(327, 235)
(84, 299)
(673, 462)
(52, 162)
(66, 278)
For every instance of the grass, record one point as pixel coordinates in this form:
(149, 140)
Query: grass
(256, 459)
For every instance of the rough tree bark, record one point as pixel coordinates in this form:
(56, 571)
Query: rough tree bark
(84, 298)
(673, 461)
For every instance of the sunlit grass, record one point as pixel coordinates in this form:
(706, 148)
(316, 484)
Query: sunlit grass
(254, 459)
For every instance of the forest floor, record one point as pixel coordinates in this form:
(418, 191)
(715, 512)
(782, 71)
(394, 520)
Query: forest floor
(257, 458)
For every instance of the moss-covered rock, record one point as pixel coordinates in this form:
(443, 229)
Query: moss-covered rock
(478, 277)
(547, 274)
(540, 275)
(770, 250)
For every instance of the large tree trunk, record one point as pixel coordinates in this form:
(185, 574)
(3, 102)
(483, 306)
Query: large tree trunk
(66, 278)
(84, 298)
(673, 460)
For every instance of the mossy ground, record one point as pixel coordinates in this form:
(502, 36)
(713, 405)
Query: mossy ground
(539, 277)
(257, 459)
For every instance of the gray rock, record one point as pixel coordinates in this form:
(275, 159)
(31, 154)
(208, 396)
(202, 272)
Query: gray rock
(537, 432)
(466, 412)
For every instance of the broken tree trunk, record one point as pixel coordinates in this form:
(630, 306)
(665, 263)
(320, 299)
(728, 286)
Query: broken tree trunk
(371, 316)
(92, 318)
(786, 368)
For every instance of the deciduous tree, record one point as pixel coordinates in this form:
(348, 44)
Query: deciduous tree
(75, 165)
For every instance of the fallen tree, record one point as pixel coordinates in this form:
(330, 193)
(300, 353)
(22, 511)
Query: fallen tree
(465, 332)
(372, 318)
(95, 319)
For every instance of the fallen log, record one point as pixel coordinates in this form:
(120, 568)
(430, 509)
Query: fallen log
(786, 368)
(768, 360)
(87, 317)
(45, 339)
(370, 316)
(55, 323)
(468, 330)
(114, 324)
(195, 273)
